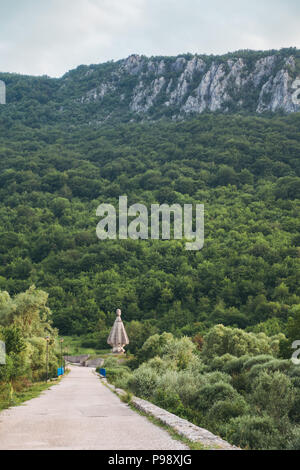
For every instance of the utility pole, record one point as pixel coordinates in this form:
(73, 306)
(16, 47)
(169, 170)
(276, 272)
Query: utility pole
(61, 355)
(47, 358)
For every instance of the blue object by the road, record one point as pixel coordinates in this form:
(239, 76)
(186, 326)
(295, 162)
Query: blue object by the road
(103, 372)
(60, 371)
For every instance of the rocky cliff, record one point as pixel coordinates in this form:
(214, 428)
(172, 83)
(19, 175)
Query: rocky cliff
(190, 84)
(175, 87)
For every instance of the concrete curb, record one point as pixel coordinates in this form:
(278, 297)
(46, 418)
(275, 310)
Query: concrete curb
(181, 426)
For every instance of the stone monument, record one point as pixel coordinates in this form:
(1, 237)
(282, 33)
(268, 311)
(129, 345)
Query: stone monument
(118, 337)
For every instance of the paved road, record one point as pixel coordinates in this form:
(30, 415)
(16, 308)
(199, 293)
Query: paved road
(80, 413)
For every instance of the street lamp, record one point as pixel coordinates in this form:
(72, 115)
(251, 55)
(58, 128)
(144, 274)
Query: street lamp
(61, 358)
(47, 358)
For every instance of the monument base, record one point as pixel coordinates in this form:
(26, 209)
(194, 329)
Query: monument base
(118, 350)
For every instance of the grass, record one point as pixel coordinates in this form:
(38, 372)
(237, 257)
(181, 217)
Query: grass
(177, 437)
(26, 393)
(72, 346)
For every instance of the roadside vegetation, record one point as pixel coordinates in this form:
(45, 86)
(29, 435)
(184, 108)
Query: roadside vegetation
(233, 383)
(25, 323)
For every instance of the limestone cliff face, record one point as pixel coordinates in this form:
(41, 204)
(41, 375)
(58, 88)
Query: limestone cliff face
(186, 85)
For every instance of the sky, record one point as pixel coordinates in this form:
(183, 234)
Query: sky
(50, 37)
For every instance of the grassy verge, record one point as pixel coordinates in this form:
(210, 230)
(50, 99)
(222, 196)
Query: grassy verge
(177, 437)
(190, 444)
(25, 393)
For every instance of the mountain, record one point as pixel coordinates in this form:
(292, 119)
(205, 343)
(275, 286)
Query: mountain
(141, 88)
(243, 165)
(68, 145)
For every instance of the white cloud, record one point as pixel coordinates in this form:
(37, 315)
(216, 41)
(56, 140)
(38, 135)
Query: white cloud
(39, 37)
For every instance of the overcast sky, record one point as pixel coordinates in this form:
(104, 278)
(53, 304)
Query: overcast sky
(53, 36)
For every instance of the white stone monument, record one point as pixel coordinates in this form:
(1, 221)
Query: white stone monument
(118, 337)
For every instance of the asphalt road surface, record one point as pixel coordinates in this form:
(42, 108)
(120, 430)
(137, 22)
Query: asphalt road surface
(80, 413)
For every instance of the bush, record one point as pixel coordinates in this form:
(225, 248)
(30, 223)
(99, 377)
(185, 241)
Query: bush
(113, 374)
(219, 363)
(241, 382)
(168, 380)
(181, 351)
(222, 340)
(273, 393)
(261, 359)
(217, 377)
(187, 388)
(223, 411)
(252, 432)
(160, 365)
(196, 366)
(154, 346)
(122, 379)
(271, 366)
(169, 400)
(294, 441)
(294, 413)
(235, 365)
(143, 382)
(212, 393)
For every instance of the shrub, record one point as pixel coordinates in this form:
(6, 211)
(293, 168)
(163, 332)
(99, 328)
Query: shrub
(261, 359)
(252, 432)
(241, 382)
(217, 376)
(143, 381)
(222, 340)
(273, 394)
(169, 400)
(223, 411)
(111, 361)
(294, 413)
(114, 374)
(271, 366)
(154, 346)
(235, 365)
(168, 380)
(181, 351)
(122, 380)
(196, 366)
(187, 388)
(294, 441)
(212, 393)
(219, 363)
(160, 365)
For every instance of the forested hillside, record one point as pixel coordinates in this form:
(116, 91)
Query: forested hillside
(211, 330)
(244, 169)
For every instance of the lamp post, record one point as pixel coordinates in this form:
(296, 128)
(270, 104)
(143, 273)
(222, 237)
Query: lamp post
(47, 358)
(61, 357)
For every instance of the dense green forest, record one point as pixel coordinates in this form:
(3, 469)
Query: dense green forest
(244, 169)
